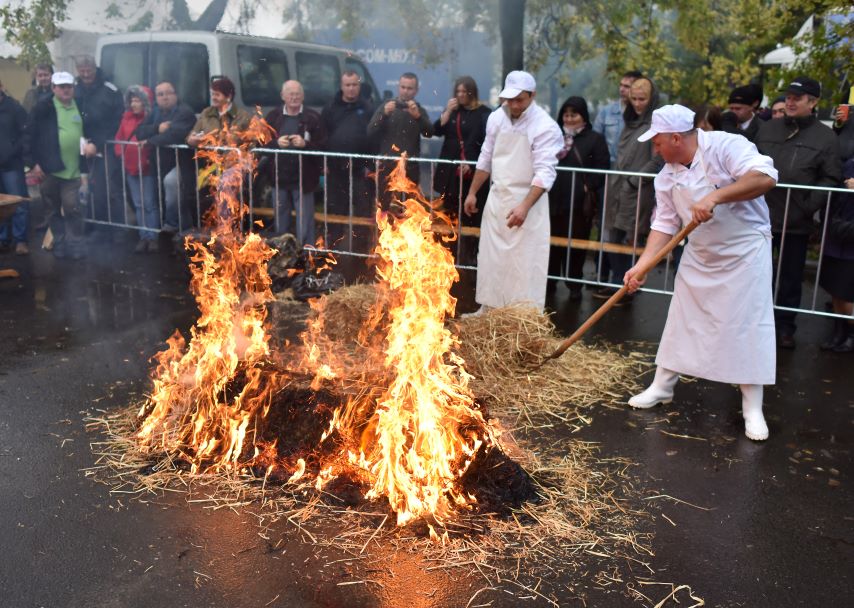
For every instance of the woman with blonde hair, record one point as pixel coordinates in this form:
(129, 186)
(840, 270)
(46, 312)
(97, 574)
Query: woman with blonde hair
(630, 199)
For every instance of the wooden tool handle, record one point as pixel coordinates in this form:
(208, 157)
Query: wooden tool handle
(642, 270)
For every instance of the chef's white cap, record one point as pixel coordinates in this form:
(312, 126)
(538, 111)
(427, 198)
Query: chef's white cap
(516, 82)
(669, 119)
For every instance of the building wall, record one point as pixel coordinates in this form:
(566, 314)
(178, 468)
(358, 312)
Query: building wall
(16, 80)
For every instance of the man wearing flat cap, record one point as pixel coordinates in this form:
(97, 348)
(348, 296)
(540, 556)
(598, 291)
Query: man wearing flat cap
(519, 156)
(720, 325)
(806, 153)
(743, 105)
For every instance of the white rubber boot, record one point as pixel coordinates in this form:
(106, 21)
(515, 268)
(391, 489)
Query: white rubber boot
(660, 391)
(479, 312)
(755, 427)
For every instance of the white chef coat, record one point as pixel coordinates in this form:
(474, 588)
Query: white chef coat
(543, 134)
(512, 264)
(720, 325)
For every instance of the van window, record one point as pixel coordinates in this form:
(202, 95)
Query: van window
(185, 65)
(263, 71)
(369, 89)
(320, 76)
(125, 64)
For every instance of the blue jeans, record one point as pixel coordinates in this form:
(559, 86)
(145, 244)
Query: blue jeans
(143, 193)
(288, 200)
(13, 182)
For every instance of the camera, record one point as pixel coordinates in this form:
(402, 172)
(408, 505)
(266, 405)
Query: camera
(401, 105)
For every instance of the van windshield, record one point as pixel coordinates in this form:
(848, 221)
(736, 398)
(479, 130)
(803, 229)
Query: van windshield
(320, 75)
(183, 64)
(263, 71)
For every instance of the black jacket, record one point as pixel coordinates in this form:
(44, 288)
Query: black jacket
(473, 130)
(13, 120)
(309, 123)
(805, 152)
(729, 122)
(593, 150)
(101, 107)
(181, 119)
(346, 125)
(41, 144)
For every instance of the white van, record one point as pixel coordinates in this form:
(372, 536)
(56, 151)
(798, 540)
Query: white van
(257, 66)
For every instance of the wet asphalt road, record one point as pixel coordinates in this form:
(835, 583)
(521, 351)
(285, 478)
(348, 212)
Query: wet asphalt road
(768, 524)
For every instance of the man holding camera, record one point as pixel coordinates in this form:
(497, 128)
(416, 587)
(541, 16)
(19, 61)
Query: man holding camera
(296, 176)
(397, 127)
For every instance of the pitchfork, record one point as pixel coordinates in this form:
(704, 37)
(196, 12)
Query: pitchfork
(591, 321)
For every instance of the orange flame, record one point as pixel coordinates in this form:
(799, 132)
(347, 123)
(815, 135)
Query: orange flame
(424, 430)
(413, 428)
(196, 405)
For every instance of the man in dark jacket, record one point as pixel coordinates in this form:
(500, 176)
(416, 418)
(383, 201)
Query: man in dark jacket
(169, 125)
(346, 121)
(13, 119)
(741, 117)
(805, 152)
(41, 89)
(52, 148)
(296, 176)
(397, 127)
(101, 107)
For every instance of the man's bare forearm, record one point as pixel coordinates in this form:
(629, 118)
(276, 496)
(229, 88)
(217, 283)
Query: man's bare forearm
(480, 177)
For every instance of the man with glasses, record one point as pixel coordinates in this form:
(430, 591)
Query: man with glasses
(169, 125)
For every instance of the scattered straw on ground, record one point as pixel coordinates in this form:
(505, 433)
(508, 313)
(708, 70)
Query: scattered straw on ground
(585, 521)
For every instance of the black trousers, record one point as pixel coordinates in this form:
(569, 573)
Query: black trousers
(338, 202)
(581, 226)
(105, 182)
(790, 278)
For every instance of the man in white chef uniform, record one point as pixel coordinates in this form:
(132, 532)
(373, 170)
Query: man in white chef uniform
(519, 154)
(720, 325)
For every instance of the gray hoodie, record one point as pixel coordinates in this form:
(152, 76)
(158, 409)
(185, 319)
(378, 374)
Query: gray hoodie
(633, 155)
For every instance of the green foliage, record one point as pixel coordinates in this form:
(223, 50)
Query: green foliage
(828, 56)
(31, 26)
(113, 11)
(422, 21)
(143, 23)
(695, 50)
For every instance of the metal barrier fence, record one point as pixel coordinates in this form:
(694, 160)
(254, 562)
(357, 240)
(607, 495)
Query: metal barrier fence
(170, 191)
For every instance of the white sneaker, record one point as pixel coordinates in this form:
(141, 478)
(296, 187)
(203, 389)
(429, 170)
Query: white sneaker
(479, 312)
(755, 427)
(651, 397)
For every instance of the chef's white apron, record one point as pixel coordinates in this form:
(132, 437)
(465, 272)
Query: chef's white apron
(512, 263)
(720, 325)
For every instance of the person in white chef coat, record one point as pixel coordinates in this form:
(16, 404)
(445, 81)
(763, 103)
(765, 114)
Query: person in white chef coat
(519, 155)
(720, 325)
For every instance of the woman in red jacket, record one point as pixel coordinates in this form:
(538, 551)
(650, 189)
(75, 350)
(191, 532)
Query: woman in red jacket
(140, 175)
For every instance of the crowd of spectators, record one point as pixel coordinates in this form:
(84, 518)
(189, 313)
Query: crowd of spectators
(57, 139)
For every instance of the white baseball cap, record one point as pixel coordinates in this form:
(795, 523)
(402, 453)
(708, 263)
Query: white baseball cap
(62, 78)
(516, 82)
(669, 119)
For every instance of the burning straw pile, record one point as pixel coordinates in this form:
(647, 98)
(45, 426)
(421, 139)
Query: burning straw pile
(383, 409)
